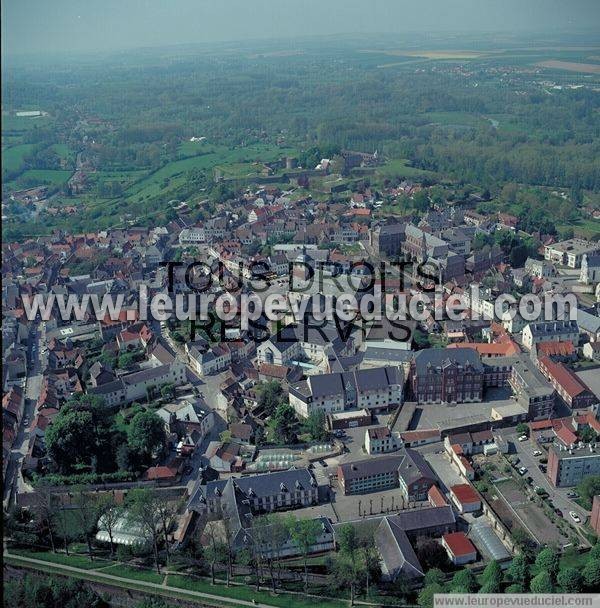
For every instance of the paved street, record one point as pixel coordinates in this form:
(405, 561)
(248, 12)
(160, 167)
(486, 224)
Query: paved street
(14, 480)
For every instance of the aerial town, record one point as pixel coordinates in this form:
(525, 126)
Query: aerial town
(287, 360)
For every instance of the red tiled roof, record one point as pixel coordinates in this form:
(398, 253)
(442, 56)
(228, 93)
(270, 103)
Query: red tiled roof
(504, 349)
(458, 544)
(436, 498)
(566, 435)
(556, 348)
(465, 493)
(571, 384)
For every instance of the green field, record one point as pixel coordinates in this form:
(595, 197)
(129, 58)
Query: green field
(12, 158)
(39, 177)
(400, 167)
(20, 124)
(173, 174)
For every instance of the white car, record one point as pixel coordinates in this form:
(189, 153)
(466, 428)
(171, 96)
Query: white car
(575, 517)
(522, 438)
(522, 471)
(537, 453)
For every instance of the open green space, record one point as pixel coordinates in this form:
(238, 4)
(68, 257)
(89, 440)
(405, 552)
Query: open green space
(41, 177)
(12, 123)
(77, 561)
(400, 167)
(248, 594)
(13, 157)
(138, 574)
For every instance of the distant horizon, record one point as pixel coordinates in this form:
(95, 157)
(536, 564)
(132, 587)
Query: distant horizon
(441, 39)
(33, 27)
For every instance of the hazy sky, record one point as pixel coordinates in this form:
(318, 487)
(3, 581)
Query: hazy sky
(42, 26)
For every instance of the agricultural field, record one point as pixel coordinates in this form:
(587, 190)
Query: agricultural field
(12, 158)
(47, 177)
(19, 124)
(570, 66)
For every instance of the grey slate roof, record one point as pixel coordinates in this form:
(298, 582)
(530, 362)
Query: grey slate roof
(413, 467)
(372, 466)
(396, 552)
(442, 357)
(264, 485)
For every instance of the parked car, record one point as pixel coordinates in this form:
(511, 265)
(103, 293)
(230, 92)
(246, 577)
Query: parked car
(572, 494)
(575, 517)
(522, 438)
(559, 512)
(522, 471)
(542, 467)
(537, 453)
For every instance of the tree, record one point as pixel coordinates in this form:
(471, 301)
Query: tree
(492, 586)
(215, 551)
(46, 508)
(431, 554)
(434, 575)
(146, 434)
(110, 514)
(464, 581)
(518, 571)
(70, 439)
(345, 574)
(491, 576)
(591, 574)
(143, 512)
(304, 534)
(522, 428)
(425, 599)
(270, 395)
(515, 588)
(518, 255)
(595, 551)
(570, 580)
(541, 583)
(346, 565)
(87, 515)
(167, 514)
(315, 425)
(548, 561)
(588, 488)
(284, 423)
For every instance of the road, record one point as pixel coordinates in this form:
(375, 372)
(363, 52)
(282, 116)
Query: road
(14, 482)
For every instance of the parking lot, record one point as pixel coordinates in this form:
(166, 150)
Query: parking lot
(516, 509)
(524, 451)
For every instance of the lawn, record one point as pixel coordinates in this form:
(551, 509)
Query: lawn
(77, 561)
(138, 574)
(12, 158)
(239, 592)
(400, 167)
